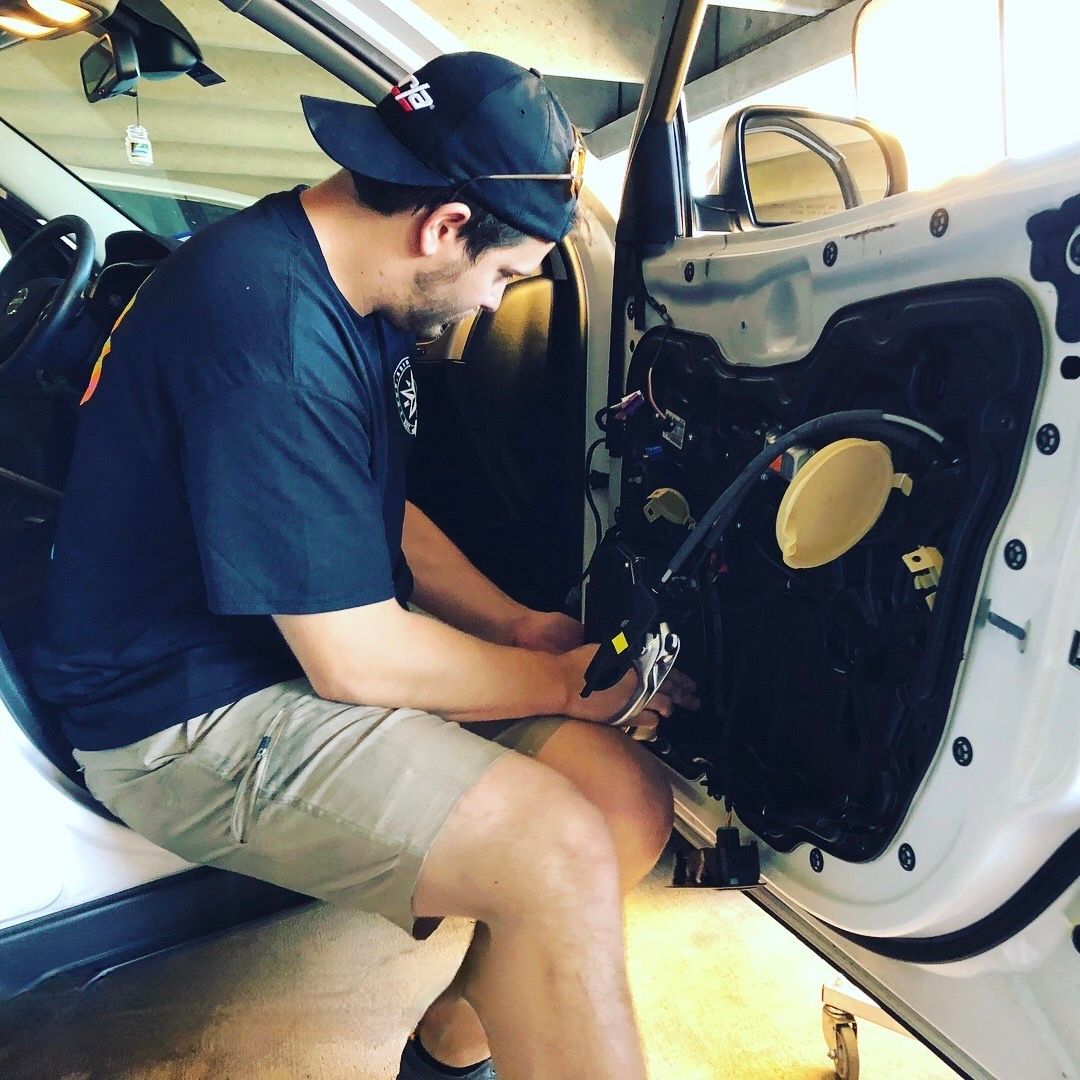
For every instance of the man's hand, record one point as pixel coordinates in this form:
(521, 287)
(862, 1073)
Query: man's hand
(603, 706)
(546, 631)
(678, 688)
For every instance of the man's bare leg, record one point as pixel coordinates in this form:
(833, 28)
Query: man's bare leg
(629, 788)
(532, 860)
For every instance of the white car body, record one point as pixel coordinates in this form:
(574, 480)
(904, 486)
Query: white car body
(982, 832)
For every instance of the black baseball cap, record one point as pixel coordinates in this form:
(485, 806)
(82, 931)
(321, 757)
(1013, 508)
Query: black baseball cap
(465, 120)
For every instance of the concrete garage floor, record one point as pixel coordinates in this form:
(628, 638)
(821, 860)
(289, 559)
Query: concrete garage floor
(720, 988)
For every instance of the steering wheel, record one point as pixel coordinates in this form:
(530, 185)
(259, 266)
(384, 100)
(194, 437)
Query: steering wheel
(35, 311)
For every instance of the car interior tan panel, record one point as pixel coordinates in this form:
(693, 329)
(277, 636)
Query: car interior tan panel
(506, 353)
(507, 356)
(451, 345)
(518, 330)
(497, 463)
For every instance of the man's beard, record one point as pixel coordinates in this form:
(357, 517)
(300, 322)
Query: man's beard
(427, 323)
(430, 318)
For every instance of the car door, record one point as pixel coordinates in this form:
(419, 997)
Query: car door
(891, 716)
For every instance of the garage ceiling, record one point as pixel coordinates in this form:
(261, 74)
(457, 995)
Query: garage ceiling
(603, 39)
(247, 135)
(598, 52)
(593, 39)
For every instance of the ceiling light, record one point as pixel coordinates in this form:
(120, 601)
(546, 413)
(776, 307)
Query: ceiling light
(24, 27)
(59, 11)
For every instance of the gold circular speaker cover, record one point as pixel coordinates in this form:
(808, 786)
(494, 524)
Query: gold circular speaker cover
(833, 501)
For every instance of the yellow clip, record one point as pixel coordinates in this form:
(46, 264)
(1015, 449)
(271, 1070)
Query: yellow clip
(620, 642)
(926, 564)
(903, 483)
(669, 504)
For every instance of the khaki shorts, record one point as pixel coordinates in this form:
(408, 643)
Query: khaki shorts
(341, 802)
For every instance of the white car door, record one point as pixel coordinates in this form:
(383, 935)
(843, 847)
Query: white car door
(892, 717)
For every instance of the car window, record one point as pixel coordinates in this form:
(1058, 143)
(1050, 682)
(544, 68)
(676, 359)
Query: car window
(215, 148)
(178, 214)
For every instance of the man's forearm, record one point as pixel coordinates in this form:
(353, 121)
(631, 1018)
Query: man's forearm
(383, 655)
(449, 587)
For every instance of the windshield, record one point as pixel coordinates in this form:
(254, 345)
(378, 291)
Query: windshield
(214, 148)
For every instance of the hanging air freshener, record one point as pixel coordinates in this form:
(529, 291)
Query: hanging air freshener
(139, 150)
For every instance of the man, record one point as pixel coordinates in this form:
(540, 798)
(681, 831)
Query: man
(226, 622)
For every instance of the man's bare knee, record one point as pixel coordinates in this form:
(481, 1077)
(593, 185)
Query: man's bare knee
(626, 783)
(524, 837)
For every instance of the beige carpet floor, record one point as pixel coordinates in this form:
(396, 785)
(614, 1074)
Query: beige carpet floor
(721, 991)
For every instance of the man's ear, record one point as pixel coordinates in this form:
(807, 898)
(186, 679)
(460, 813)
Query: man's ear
(442, 227)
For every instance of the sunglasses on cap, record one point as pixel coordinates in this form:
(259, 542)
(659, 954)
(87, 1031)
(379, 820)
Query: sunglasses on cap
(576, 174)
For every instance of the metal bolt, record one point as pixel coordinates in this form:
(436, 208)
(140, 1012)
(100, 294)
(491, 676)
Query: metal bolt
(939, 222)
(1015, 555)
(817, 861)
(1074, 251)
(688, 271)
(963, 751)
(829, 255)
(630, 310)
(1048, 439)
(907, 857)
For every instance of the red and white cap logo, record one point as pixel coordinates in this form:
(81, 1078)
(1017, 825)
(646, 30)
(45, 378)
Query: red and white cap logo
(413, 94)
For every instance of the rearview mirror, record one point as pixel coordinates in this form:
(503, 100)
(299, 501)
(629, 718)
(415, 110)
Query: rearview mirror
(785, 165)
(110, 67)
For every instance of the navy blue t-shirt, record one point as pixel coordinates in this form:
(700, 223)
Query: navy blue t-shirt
(240, 454)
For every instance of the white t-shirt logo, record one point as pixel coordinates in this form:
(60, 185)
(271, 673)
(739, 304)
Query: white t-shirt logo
(405, 392)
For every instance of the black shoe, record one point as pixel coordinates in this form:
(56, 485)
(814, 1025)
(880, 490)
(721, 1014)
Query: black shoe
(418, 1064)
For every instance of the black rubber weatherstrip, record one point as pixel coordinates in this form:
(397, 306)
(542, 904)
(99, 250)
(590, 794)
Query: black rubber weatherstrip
(1048, 883)
(134, 924)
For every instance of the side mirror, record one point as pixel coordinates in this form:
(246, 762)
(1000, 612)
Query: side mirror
(784, 165)
(110, 67)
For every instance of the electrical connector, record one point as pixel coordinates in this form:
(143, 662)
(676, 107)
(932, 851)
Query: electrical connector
(627, 406)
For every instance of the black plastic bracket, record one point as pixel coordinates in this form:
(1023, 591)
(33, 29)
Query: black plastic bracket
(730, 865)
